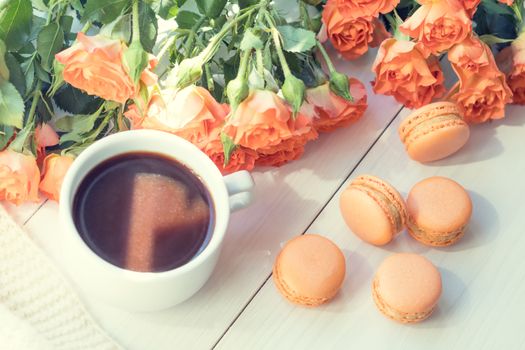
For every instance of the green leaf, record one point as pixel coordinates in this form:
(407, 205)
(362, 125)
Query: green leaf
(251, 41)
(490, 39)
(105, 11)
(211, 8)
(28, 69)
(119, 29)
(166, 9)
(148, 27)
(74, 101)
(11, 105)
(23, 141)
(77, 6)
(15, 23)
(229, 147)
(247, 3)
(4, 70)
(44, 109)
(16, 76)
(187, 19)
(50, 41)
(297, 39)
(42, 74)
(36, 26)
(66, 22)
(6, 133)
(135, 60)
(77, 123)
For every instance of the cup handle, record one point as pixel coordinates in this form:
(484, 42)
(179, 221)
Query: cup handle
(239, 186)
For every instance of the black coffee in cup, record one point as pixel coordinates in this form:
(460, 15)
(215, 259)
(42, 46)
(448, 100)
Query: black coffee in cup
(144, 212)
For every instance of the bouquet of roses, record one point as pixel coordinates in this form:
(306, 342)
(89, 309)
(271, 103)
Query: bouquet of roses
(236, 78)
(407, 67)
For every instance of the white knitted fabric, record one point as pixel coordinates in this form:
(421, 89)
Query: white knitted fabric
(39, 299)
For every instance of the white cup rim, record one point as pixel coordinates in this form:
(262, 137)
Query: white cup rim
(177, 145)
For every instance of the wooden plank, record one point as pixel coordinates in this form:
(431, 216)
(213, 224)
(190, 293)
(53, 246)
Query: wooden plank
(287, 201)
(483, 277)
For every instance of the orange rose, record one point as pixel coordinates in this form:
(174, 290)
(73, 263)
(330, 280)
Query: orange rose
(329, 111)
(191, 113)
(19, 177)
(363, 8)
(471, 55)
(349, 35)
(54, 170)
(512, 62)
(507, 2)
(263, 123)
(470, 6)
(94, 64)
(291, 148)
(241, 159)
(403, 70)
(482, 96)
(438, 25)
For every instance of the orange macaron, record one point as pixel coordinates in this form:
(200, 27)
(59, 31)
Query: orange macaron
(309, 270)
(373, 209)
(434, 132)
(439, 210)
(406, 288)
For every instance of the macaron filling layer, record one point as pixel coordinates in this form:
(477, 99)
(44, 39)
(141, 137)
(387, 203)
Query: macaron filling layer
(432, 237)
(394, 314)
(427, 113)
(427, 126)
(385, 203)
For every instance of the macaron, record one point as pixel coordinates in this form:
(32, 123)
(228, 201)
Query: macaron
(406, 287)
(309, 270)
(373, 209)
(439, 209)
(434, 132)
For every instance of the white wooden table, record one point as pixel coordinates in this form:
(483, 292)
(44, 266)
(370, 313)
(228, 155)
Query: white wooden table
(483, 300)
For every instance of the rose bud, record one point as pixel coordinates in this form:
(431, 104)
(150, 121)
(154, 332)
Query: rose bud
(339, 85)
(237, 90)
(293, 92)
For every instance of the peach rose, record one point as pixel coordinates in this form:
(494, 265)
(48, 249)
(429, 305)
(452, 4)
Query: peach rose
(94, 64)
(45, 136)
(264, 123)
(54, 170)
(482, 96)
(191, 113)
(507, 2)
(19, 177)
(329, 111)
(512, 61)
(404, 70)
(471, 55)
(349, 35)
(438, 25)
(363, 8)
(471, 6)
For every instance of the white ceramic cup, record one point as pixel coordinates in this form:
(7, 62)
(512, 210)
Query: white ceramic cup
(147, 291)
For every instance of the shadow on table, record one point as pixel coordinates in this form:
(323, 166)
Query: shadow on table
(482, 145)
(484, 225)
(454, 292)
